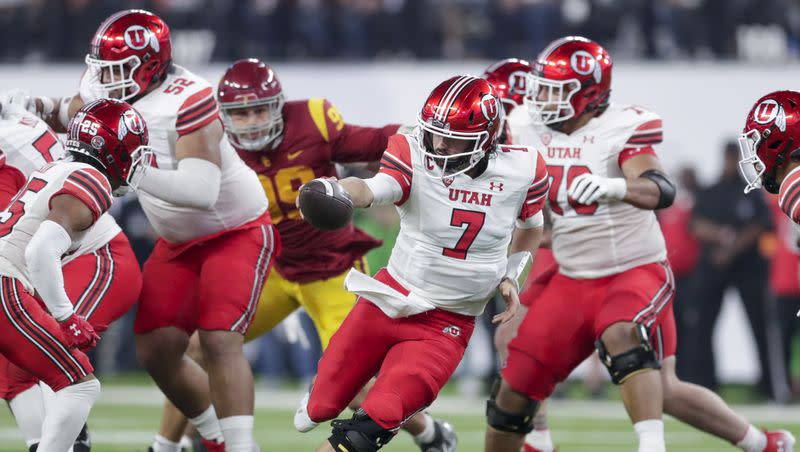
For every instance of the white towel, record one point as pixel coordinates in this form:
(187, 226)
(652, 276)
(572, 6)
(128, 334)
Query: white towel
(393, 303)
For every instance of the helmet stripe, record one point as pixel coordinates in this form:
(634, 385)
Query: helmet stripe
(108, 22)
(440, 115)
(553, 47)
(452, 94)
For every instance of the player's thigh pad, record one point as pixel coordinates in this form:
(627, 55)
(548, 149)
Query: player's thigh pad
(106, 283)
(640, 295)
(555, 336)
(169, 290)
(416, 368)
(32, 340)
(234, 269)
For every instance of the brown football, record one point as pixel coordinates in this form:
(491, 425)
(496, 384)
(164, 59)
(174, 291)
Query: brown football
(325, 205)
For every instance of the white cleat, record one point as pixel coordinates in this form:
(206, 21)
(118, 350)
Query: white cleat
(302, 422)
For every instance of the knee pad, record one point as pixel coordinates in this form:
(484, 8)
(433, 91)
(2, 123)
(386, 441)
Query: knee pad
(504, 421)
(359, 434)
(625, 365)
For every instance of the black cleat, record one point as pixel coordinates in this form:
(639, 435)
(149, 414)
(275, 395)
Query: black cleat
(84, 441)
(445, 439)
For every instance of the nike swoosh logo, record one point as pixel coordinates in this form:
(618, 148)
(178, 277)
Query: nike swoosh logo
(294, 155)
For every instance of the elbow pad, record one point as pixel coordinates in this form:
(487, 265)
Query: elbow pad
(665, 185)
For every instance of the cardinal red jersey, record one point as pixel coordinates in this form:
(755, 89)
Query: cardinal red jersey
(315, 137)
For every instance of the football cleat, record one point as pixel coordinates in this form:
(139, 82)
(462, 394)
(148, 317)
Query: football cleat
(83, 443)
(779, 441)
(213, 446)
(445, 439)
(528, 448)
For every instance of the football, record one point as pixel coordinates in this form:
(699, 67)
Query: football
(325, 204)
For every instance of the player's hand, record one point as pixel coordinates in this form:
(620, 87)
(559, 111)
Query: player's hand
(297, 199)
(79, 333)
(589, 188)
(16, 102)
(510, 296)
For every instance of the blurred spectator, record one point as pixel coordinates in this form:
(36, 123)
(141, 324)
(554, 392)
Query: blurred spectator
(728, 225)
(358, 29)
(682, 248)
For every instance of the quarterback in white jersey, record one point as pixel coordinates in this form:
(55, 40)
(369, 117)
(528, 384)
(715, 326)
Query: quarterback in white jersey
(44, 334)
(470, 216)
(610, 259)
(217, 242)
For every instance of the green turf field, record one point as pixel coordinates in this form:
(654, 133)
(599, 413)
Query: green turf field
(126, 417)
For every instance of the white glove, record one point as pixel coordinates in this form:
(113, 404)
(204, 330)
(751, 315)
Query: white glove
(16, 102)
(590, 188)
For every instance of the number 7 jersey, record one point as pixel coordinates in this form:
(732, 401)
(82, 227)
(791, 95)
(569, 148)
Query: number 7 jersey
(453, 242)
(601, 239)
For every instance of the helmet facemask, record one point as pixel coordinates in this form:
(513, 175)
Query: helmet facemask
(750, 165)
(550, 101)
(121, 84)
(441, 166)
(254, 137)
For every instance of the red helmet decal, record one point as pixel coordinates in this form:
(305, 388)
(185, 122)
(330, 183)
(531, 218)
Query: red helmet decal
(518, 82)
(137, 37)
(489, 107)
(770, 111)
(582, 62)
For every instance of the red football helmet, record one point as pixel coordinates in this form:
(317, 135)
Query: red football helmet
(112, 136)
(464, 108)
(570, 77)
(771, 136)
(251, 84)
(128, 53)
(510, 78)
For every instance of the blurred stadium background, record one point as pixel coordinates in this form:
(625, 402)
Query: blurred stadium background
(700, 64)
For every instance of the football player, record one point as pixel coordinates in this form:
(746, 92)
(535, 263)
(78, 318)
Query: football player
(770, 147)
(606, 182)
(216, 240)
(102, 277)
(289, 144)
(510, 79)
(461, 197)
(51, 215)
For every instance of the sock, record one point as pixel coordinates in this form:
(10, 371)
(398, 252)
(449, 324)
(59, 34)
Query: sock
(69, 412)
(651, 435)
(238, 433)
(428, 434)
(541, 440)
(161, 444)
(207, 425)
(754, 440)
(28, 410)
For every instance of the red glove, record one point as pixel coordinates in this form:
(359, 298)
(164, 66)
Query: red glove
(79, 333)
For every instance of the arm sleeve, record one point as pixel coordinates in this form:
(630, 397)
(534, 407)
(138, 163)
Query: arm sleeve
(199, 110)
(396, 162)
(642, 140)
(530, 215)
(789, 196)
(90, 187)
(385, 189)
(43, 259)
(195, 183)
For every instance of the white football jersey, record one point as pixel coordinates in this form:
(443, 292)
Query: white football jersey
(453, 242)
(183, 104)
(27, 144)
(31, 206)
(592, 241)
